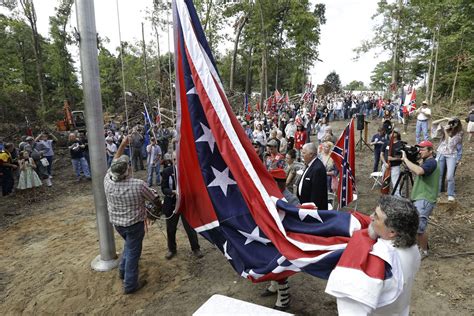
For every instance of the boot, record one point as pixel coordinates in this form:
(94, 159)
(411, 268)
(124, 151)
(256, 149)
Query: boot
(271, 289)
(283, 296)
(48, 182)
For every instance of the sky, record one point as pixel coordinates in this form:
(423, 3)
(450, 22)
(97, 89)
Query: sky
(348, 23)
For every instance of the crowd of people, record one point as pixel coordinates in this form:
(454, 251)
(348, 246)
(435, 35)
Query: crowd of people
(294, 142)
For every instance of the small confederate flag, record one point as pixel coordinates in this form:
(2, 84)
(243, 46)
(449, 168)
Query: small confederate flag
(410, 102)
(343, 155)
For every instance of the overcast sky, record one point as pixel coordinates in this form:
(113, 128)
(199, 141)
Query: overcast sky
(348, 23)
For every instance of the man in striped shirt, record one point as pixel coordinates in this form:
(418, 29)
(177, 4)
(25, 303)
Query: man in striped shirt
(126, 205)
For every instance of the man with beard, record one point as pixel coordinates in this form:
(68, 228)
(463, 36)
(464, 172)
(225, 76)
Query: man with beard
(393, 227)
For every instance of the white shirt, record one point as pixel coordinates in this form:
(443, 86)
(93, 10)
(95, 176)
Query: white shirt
(424, 114)
(300, 185)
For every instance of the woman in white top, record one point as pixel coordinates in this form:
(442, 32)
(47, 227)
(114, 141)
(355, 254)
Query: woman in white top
(259, 135)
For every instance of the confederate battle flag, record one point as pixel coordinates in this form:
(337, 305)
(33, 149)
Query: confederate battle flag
(224, 190)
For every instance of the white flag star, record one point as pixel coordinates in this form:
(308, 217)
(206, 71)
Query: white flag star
(207, 137)
(305, 212)
(192, 91)
(226, 254)
(254, 236)
(222, 179)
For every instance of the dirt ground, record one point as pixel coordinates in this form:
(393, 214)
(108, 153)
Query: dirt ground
(47, 247)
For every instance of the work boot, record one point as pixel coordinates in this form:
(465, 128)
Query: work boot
(170, 254)
(197, 253)
(271, 289)
(140, 284)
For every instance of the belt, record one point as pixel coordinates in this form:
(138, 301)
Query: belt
(422, 120)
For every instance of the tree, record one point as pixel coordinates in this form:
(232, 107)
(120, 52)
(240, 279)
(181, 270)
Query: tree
(355, 85)
(332, 83)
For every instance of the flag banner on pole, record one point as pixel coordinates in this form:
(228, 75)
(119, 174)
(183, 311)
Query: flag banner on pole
(246, 103)
(223, 189)
(386, 180)
(343, 156)
(410, 101)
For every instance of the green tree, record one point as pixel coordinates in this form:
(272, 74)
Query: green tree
(332, 83)
(355, 85)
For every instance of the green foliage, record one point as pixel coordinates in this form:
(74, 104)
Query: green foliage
(332, 83)
(355, 85)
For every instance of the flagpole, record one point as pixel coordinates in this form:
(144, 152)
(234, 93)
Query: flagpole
(107, 259)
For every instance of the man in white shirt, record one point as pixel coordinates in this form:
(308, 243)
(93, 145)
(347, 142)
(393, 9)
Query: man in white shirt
(423, 114)
(394, 227)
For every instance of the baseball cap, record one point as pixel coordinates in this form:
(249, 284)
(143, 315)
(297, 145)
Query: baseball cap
(119, 166)
(424, 102)
(278, 174)
(425, 143)
(272, 143)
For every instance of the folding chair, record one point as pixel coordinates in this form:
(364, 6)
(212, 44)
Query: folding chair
(377, 177)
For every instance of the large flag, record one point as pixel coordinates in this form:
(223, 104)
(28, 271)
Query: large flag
(387, 175)
(343, 155)
(224, 191)
(410, 101)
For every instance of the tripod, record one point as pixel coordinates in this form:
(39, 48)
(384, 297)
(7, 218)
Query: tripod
(362, 141)
(404, 181)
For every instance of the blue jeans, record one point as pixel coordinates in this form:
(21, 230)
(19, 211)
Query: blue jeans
(81, 164)
(421, 126)
(153, 170)
(450, 163)
(132, 250)
(109, 160)
(50, 161)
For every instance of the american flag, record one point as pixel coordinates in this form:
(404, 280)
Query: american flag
(224, 190)
(343, 155)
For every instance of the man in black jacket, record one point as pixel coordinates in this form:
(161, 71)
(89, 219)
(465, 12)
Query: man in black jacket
(168, 187)
(313, 183)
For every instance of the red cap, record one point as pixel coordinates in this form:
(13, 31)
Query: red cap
(425, 143)
(278, 174)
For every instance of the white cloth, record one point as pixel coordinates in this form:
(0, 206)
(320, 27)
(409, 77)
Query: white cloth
(154, 151)
(394, 297)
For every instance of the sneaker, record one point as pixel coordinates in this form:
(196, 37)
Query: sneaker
(170, 254)
(268, 293)
(451, 198)
(197, 253)
(140, 284)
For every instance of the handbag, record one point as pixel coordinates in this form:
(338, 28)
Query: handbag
(44, 162)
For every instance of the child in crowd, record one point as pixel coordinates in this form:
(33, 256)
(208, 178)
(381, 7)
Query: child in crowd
(29, 179)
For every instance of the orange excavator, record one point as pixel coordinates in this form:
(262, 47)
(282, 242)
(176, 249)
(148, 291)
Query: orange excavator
(73, 120)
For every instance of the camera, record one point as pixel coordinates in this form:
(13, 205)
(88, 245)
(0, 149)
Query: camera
(412, 152)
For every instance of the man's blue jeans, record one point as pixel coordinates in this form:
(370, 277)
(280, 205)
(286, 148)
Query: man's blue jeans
(81, 164)
(450, 163)
(421, 126)
(153, 170)
(132, 250)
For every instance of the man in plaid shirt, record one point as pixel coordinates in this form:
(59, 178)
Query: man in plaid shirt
(126, 205)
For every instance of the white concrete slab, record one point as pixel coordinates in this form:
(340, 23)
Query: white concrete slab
(218, 305)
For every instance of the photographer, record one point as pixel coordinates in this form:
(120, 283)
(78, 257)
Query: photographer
(449, 152)
(425, 189)
(395, 158)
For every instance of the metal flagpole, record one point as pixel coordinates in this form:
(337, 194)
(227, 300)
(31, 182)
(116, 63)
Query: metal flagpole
(107, 259)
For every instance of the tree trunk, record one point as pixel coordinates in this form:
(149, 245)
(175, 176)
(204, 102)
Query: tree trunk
(248, 76)
(429, 67)
(208, 13)
(145, 65)
(435, 66)
(30, 14)
(395, 60)
(263, 75)
(457, 71)
(234, 55)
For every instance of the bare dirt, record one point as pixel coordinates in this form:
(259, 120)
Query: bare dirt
(47, 246)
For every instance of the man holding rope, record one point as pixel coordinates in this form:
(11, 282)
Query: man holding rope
(126, 205)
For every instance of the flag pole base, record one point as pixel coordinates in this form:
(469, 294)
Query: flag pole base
(104, 265)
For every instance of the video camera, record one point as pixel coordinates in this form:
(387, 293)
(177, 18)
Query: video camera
(412, 152)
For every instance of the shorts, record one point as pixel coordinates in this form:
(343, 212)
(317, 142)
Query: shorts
(424, 209)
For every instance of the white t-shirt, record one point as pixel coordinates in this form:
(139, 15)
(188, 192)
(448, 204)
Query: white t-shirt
(424, 114)
(111, 149)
